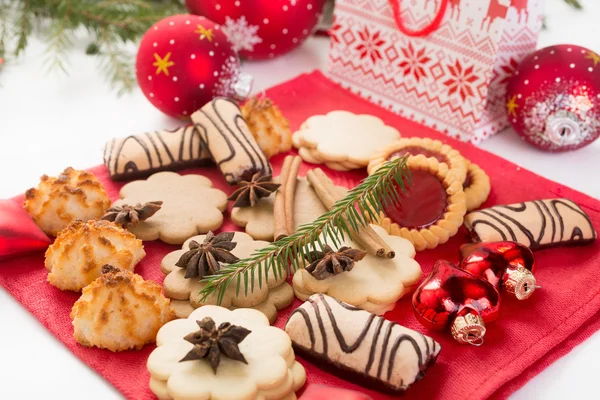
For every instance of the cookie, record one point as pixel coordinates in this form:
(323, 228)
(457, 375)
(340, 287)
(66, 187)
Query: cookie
(536, 224)
(360, 346)
(139, 156)
(76, 257)
(373, 284)
(429, 148)
(431, 209)
(272, 296)
(119, 311)
(190, 206)
(268, 370)
(229, 141)
(73, 195)
(268, 126)
(476, 186)
(259, 221)
(329, 135)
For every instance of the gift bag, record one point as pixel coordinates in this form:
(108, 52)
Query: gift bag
(443, 63)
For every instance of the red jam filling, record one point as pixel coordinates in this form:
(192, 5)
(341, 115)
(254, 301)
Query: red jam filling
(467, 181)
(423, 203)
(415, 150)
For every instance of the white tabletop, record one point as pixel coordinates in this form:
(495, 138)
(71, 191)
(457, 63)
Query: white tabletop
(48, 122)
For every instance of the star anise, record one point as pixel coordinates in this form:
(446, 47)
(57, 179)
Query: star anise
(210, 342)
(250, 192)
(326, 263)
(204, 258)
(129, 216)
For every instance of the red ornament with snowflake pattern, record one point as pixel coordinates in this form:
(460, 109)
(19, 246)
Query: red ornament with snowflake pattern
(183, 62)
(261, 29)
(553, 99)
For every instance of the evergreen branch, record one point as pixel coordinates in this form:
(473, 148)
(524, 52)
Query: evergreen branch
(119, 69)
(22, 28)
(575, 4)
(348, 214)
(60, 42)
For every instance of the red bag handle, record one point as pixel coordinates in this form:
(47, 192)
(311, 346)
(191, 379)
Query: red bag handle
(432, 27)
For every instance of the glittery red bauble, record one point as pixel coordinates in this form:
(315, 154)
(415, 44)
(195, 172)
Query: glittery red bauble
(183, 62)
(553, 99)
(506, 265)
(261, 29)
(18, 233)
(449, 292)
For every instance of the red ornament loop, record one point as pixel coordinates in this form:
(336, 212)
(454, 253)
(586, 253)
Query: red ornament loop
(432, 27)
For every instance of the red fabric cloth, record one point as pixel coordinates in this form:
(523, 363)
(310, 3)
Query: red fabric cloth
(528, 336)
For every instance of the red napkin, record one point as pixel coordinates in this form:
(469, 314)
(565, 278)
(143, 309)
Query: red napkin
(528, 337)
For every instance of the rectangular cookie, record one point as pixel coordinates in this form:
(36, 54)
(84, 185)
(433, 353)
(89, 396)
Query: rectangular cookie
(536, 224)
(229, 141)
(370, 349)
(138, 156)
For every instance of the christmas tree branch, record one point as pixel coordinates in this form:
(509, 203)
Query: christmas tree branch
(361, 204)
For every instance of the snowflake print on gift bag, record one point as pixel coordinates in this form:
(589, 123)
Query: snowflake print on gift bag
(262, 29)
(184, 61)
(442, 63)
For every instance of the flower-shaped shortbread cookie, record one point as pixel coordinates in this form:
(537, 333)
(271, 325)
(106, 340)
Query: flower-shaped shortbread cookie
(185, 293)
(343, 137)
(259, 220)
(271, 372)
(190, 206)
(476, 186)
(374, 284)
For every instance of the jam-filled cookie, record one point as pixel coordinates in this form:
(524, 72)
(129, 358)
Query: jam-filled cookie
(430, 209)
(425, 146)
(476, 186)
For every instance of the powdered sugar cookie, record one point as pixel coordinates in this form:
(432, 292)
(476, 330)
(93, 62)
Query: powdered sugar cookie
(373, 283)
(248, 358)
(184, 272)
(190, 206)
(259, 221)
(341, 136)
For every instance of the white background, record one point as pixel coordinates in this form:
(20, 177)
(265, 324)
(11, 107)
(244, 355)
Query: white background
(48, 122)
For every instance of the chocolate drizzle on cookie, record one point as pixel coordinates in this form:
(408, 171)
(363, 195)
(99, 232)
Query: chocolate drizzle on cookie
(383, 338)
(204, 258)
(531, 221)
(211, 342)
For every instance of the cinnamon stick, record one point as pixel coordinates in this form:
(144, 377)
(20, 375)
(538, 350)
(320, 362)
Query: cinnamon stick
(281, 229)
(290, 191)
(366, 236)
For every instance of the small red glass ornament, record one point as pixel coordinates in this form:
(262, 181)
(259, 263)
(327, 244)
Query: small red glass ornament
(506, 265)
(261, 29)
(184, 61)
(454, 298)
(553, 99)
(18, 233)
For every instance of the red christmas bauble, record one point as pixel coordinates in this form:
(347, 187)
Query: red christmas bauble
(183, 62)
(553, 99)
(261, 29)
(454, 298)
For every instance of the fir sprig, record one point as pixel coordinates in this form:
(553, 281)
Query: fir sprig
(361, 205)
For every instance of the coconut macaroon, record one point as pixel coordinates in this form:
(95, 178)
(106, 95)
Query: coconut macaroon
(120, 311)
(57, 202)
(77, 255)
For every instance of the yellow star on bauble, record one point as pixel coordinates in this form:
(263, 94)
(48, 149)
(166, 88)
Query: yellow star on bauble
(163, 64)
(512, 106)
(204, 33)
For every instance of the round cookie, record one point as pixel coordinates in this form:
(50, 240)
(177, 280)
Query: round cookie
(190, 206)
(429, 148)
(259, 221)
(476, 186)
(329, 136)
(431, 210)
(272, 296)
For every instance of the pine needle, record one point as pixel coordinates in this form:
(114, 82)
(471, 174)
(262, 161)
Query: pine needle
(356, 208)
